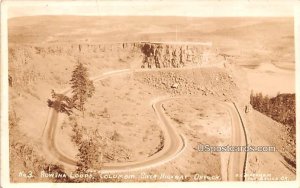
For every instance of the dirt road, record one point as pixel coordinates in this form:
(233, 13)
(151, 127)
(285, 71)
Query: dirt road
(174, 143)
(236, 163)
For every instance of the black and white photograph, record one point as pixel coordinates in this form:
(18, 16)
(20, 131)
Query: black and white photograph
(145, 97)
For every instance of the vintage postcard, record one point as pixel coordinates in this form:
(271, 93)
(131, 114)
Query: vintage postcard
(139, 91)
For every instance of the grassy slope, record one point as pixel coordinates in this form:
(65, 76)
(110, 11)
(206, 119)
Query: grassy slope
(253, 37)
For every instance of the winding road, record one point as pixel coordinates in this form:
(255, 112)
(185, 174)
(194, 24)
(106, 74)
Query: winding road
(174, 143)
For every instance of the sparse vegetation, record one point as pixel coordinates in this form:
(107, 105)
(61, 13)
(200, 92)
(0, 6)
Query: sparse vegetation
(89, 148)
(29, 161)
(120, 125)
(13, 119)
(89, 155)
(60, 103)
(77, 136)
(82, 87)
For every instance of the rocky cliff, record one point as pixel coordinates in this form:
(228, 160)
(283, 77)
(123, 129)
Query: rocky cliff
(25, 60)
(175, 55)
(155, 55)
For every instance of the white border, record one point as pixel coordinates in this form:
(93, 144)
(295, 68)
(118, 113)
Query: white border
(215, 8)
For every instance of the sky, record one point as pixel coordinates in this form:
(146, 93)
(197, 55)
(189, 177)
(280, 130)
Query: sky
(202, 8)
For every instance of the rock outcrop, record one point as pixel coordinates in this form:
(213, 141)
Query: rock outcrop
(175, 55)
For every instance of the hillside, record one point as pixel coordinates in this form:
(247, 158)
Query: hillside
(281, 108)
(228, 34)
(162, 57)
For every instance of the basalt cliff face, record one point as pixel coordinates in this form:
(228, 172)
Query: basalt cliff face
(71, 49)
(155, 55)
(175, 55)
(24, 60)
